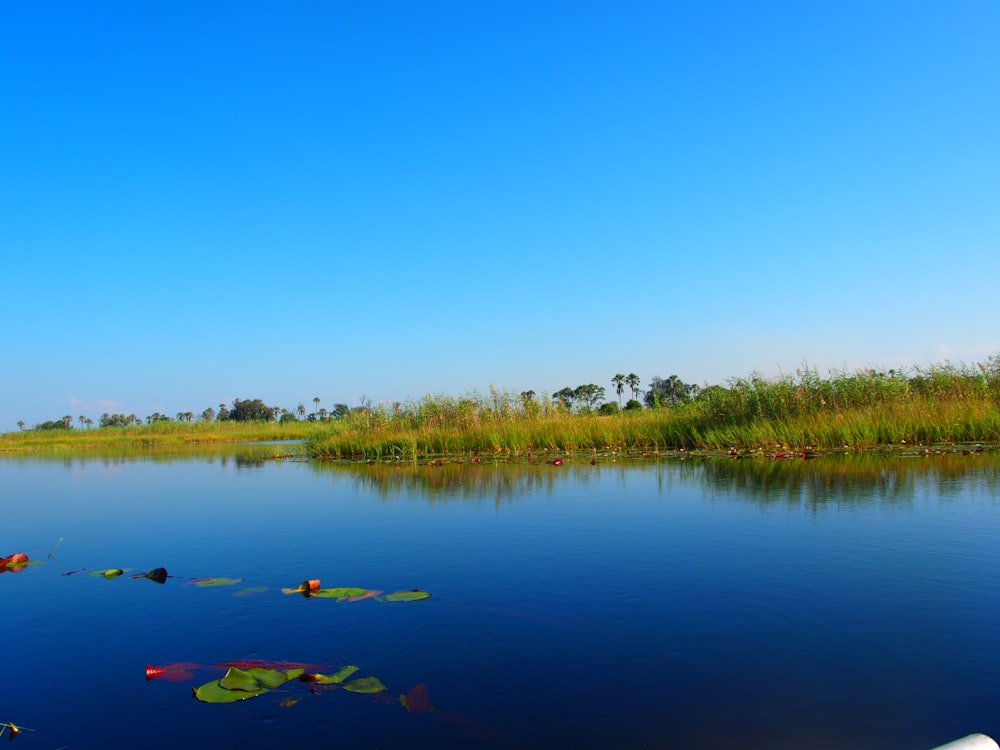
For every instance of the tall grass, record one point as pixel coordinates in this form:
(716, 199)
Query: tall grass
(152, 435)
(863, 409)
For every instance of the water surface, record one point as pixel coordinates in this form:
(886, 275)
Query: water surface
(838, 603)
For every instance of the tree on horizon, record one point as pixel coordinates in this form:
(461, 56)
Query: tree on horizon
(619, 383)
(633, 383)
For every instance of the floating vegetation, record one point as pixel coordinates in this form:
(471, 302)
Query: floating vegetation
(415, 595)
(342, 594)
(156, 574)
(250, 591)
(14, 729)
(14, 563)
(239, 685)
(311, 589)
(109, 573)
(250, 679)
(304, 588)
(337, 677)
(214, 582)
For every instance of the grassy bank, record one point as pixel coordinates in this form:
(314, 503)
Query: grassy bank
(860, 410)
(158, 434)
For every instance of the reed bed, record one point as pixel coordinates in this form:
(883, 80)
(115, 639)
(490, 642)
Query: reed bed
(859, 410)
(152, 435)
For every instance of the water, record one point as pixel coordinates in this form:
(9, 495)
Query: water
(835, 603)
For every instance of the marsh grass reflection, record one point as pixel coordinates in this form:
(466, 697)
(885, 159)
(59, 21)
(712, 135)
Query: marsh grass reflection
(855, 478)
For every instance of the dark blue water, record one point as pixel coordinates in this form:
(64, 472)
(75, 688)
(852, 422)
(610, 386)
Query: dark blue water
(836, 603)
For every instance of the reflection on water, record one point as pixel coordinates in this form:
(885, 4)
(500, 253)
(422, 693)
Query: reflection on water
(846, 478)
(850, 478)
(240, 454)
(648, 603)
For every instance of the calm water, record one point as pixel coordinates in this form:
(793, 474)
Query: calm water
(836, 603)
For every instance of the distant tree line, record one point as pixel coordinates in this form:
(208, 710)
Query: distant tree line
(663, 392)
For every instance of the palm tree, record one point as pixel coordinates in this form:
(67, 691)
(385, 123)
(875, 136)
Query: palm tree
(20, 424)
(316, 403)
(633, 384)
(618, 381)
(83, 420)
(301, 409)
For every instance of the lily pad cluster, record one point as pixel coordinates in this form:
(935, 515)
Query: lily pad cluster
(242, 684)
(312, 589)
(156, 574)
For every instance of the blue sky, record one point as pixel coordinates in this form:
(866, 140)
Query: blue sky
(208, 201)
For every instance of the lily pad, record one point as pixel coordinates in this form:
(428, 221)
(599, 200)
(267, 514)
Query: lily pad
(109, 573)
(405, 596)
(239, 679)
(338, 677)
(272, 678)
(240, 684)
(366, 685)
(342, 593)
(212, 582)
(213, 692)
(250, 591)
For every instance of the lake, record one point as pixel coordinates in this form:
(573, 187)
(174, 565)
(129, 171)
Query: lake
(843, 602)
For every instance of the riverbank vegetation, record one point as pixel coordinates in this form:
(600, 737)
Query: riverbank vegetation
(804, 412)
(801, 412)
(154, 435)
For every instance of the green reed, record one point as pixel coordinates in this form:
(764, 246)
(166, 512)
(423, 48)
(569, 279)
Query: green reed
(864, 409)
(153, 435)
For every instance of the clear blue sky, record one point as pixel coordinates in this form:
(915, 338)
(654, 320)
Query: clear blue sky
(202, 201)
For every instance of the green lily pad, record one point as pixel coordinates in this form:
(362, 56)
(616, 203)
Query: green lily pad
(109, 573)
(405, 596)
(272, 678)
(214, 692)
(366, 685)
(338, 677)
(340, 594)
(238, 679)
(250, 591)
(240, 684)
(211, 582)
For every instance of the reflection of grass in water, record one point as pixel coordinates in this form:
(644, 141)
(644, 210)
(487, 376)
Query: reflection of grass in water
(240, 455)
(855, 478)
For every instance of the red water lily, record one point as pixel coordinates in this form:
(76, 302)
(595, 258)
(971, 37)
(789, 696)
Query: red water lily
(175, 672)
(14, 563)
